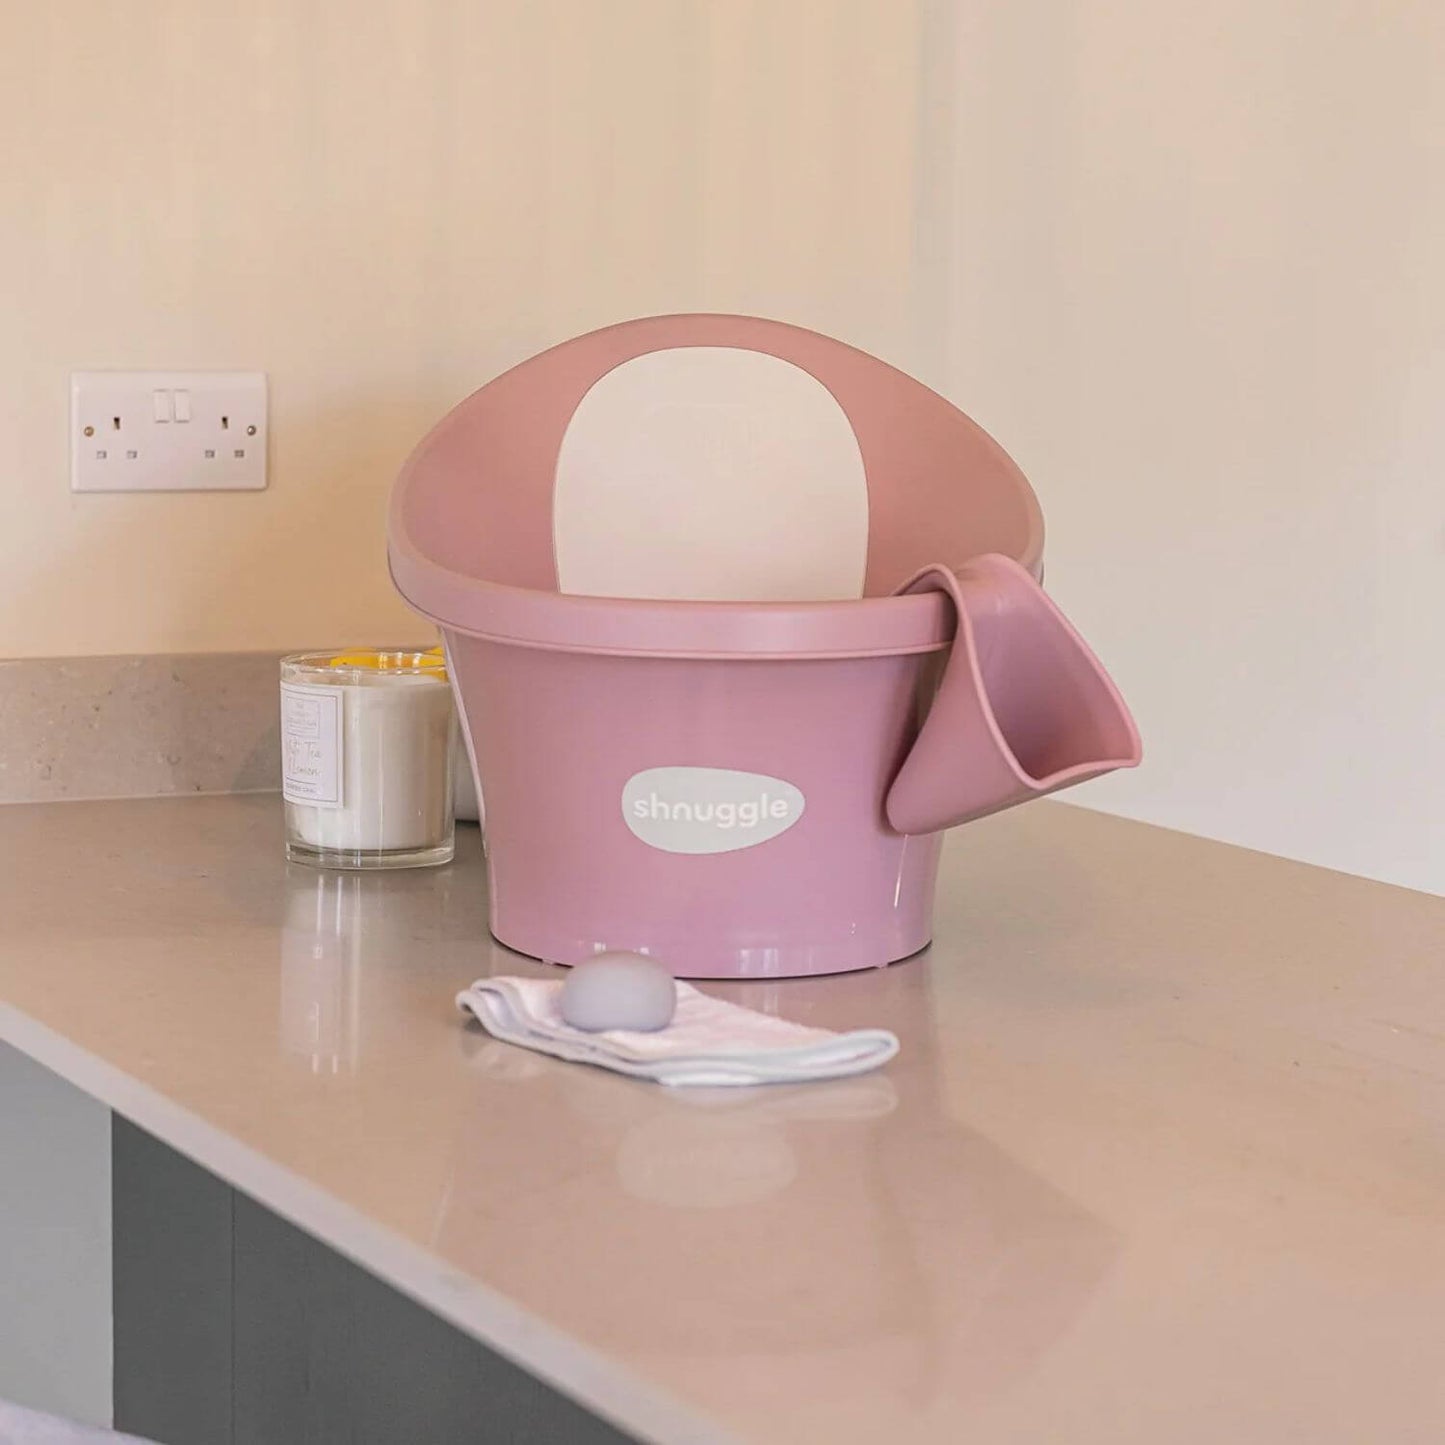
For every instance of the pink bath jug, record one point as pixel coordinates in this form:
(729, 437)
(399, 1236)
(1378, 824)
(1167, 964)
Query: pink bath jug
(728, 742)
(1023, 709)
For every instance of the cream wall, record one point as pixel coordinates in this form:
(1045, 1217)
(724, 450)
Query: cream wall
(1199, 292)
(1183, 261)
(382, 206)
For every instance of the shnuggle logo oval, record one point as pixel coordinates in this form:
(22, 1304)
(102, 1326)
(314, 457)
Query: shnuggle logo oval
(708, 810)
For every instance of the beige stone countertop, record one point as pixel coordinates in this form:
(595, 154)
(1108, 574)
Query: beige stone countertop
(1162, 1159)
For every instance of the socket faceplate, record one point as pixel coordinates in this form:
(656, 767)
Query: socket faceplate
(167, 431)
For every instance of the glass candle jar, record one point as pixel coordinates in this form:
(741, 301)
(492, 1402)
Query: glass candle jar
(366, 759)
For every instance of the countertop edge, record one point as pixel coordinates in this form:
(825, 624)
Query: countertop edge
(623, 1400)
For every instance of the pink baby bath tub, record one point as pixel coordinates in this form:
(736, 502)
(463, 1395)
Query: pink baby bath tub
(738, 618)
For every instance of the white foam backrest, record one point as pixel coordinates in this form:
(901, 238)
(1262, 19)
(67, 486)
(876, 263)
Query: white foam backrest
(711, 473)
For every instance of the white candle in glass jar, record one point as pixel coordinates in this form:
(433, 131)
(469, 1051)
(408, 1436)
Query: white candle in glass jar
(366, 744)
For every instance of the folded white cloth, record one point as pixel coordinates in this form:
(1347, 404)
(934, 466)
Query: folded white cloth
(709, 1041)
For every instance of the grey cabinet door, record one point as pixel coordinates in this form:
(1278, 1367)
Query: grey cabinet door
(234, 1327)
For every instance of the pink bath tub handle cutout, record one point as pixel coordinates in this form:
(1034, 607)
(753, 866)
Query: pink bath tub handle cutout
(1023, 709)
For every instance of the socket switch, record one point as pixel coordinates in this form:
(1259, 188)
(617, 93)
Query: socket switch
(167, 431)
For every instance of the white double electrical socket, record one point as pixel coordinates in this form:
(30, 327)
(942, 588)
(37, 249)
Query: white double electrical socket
(167, 431)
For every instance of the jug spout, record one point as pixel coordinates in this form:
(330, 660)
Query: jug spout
(1023, 708)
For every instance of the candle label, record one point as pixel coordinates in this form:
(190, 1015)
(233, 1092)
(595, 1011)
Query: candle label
(311, 770)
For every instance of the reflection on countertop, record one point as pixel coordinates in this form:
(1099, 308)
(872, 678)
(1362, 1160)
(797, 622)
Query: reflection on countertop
(1162, 1158)
(321, 972)
(784, 1235)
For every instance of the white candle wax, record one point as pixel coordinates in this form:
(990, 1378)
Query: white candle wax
(367, 761)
